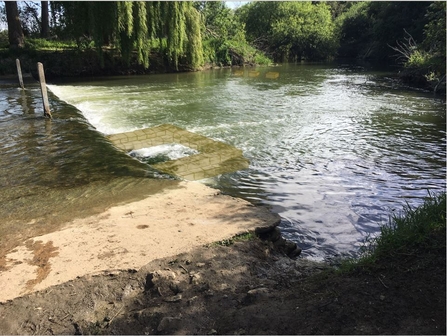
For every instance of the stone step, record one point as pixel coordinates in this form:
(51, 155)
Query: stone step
(214, 158)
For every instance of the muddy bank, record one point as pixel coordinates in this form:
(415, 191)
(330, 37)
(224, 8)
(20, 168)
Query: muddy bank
(177, 294)
(129, 236)
(244, 288)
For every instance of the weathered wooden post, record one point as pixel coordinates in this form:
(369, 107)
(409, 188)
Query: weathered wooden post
(19, 73)
(43, 88)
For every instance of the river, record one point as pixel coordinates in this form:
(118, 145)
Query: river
(334, 150)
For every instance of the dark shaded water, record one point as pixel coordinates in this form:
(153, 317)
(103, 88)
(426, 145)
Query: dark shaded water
(333, 150)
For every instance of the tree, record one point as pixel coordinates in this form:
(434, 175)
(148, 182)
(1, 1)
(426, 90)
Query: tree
(392, 20)
(426, 59)
(223, 35)
(258, 18)
(15, 32)
(354, 31)
(304, 30)
(172, 26)
(291, 30)
(367, 29)
(44, 19)
(435, 29)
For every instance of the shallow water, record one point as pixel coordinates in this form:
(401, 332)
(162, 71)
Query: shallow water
(53, 171)
(333, 149)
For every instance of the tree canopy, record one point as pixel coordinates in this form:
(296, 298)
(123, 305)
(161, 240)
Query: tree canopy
(290, 30)
(191, 33)
(171, 26)
(224, 36)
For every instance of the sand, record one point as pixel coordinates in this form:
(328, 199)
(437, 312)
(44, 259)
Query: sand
(129, 236)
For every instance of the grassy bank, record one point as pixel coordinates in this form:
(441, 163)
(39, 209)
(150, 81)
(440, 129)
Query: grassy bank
(416, 232)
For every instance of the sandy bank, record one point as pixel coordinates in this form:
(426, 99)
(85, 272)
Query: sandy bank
(128, 237)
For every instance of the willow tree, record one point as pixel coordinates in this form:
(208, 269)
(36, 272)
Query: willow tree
(173, 27)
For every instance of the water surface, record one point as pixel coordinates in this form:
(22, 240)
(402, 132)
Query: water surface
(54, 171)
(333, 149)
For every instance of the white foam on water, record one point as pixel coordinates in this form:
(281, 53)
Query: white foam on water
(99, 106)
(172, 151)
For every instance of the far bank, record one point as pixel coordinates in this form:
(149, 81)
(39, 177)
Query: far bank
(74, 63)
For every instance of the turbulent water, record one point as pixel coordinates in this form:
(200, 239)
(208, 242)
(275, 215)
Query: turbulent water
(334, 150)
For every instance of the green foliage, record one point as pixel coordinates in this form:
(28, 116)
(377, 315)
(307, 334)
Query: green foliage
(367, 29)
(305, 29)
(426, 59)
(187, 34)
(258, 18)
(419, 229)
(194, 47)
(337, 8)
(354, 31)
(141, 33)
(224, 37)
(4, 42)
(392, 21)
(435, 29)
(418, 59)
(135, 27)
(44, 44)
(125, 17)
(435, 42)
(261, 59)
(233, 52)
(415, 228)
(175, 31)
(291, 30)
(237, 238)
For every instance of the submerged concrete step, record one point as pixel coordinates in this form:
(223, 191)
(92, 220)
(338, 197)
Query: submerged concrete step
(214, 158)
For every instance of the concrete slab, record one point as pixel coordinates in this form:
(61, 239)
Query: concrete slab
(214, 158)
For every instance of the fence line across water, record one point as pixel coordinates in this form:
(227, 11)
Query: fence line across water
(43, 86)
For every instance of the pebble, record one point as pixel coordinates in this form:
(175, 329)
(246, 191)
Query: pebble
(257, 291)
(174, 298)
(168, 324)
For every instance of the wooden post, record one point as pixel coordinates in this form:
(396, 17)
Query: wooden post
(43, 88)
(19, 73)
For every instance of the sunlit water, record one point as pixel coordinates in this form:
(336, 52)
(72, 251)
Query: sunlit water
(333, 150)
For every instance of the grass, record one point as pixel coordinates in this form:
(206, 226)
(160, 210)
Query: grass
(416, 231)
(246, 236)
(44, 44)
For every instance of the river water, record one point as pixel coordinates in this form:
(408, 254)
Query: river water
(334, 150)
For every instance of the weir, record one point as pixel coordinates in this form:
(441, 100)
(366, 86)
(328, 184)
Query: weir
(214, 158)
